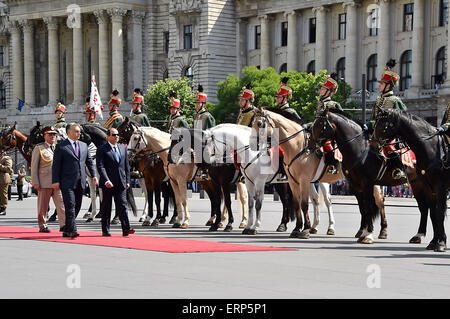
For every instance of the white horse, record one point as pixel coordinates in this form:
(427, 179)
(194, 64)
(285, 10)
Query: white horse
(258, 167)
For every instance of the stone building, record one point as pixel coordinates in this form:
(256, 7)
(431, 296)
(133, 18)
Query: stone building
(50, 49)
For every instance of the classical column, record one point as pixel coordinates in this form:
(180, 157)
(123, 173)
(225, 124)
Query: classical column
(104, 70)
(384, 32)
(351, 45)
(78, 77)
(417, 44)
(117, 15)
(321, 38)
(134, 36)
(292, 41)
(16, 44)
(241, 44)
(53, 60)
(265, 41)
(29, 70)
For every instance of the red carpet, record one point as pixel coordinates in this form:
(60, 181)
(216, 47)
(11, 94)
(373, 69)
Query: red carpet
(169, 245)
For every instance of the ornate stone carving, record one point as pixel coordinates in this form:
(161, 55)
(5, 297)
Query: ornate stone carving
(185, 6)
(117, 14)
(51, 22)
(101, 16)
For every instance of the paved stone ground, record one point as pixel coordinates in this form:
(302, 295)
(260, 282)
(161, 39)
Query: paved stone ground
(320, 267)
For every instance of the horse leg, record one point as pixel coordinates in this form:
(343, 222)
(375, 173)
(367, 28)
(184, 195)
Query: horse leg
(362, 209)
(423, 208)
(314, 195)
(298, 212)
(304, 202)
(149, 216)
(227, 207)
(242, 203)
(251, 203)
(157, 192)
(379, 201)
(176, 191)
(141, 182)
(437, 214)
(183, 196)
(259, 196)
(172, 200)
(281, 190)
(372, 210)
(324, 187)
(216, 201)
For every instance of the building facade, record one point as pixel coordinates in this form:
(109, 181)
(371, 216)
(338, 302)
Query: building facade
(49, 50)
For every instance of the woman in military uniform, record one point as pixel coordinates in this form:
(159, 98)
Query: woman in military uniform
(136, 107)
(247, 112)
(59, 113)
(203, 119)
(175, 119)
(115, 118)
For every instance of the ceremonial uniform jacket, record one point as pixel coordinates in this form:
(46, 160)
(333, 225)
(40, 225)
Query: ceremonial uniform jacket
(327, 103)
(246, 116)
(176, 121)
(5, 170)
(388, 101)
(286, 107)
(115, 118)
(446, 119)
(60, 123)
(41, 165)
(205, 118)
(141, 118)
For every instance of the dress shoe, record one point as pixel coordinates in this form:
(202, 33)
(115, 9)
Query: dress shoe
(66, 234)
(2, 211)
(75, 234)
(106, 234)
(44, 230)
(62, 229)
(128, 232)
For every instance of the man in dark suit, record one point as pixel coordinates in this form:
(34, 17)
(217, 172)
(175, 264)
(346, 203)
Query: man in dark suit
(114, 171)
(69, 174)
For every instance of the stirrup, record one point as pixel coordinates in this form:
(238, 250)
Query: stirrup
(281, 178)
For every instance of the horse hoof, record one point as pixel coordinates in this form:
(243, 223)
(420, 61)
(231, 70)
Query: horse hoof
(415, 240)
(330, 232)
(440, 247)
(367, 240)
(220, 225)
(245, 231)
(184, 226)
(242, 225)
(173, 220)
(87, 215)
(383, 235)
(155, 223)
(146, 223)
(228, 228)
(431, 246)
(213, 228)
(253, 232)
(358, 234)
(162, 220)
(176, 225)
(303, 235)
(208, 223)
(90, 219)
(282, 228)
(294, 234)
(141, 219)
(313, 231)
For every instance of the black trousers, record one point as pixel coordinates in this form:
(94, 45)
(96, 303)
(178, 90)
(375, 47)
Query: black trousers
(120, 203)
(72, 198)
(20, 191)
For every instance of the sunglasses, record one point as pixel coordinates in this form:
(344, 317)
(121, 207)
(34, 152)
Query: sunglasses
(114, 134)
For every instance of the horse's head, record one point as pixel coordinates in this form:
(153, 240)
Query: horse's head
(262, 128)
(386, 126)
(322, 129)
(8, 138)
(126, 130)
(36, 135)
(137, 143)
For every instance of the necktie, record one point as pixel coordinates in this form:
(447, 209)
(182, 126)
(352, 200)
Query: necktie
(77, 150)
(117, 154)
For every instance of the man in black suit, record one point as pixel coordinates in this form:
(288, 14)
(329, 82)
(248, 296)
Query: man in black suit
(69, 174)
(114, 171)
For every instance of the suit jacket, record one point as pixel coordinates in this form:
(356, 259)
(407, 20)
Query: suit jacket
(67, 168)
(5, 170)
(41, 165)
(108, 168)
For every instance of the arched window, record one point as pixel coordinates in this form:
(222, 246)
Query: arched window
(405, 70)
(340, 68)
(2, 96)
(283, 68)
(372, 73)
(440, 75)
(189, 73)
(311, 67)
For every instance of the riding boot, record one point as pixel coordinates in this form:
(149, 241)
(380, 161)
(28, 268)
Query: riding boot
(397, 172)
(331, 162)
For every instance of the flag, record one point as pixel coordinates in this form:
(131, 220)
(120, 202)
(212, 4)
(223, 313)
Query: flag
(20, 105)
(95, 101)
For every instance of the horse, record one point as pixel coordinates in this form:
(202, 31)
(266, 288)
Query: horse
(363, 165)
(302, 164)
(10, 138)
(159, 142)
(432, 167)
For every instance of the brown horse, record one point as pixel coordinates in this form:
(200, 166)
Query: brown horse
(10, 138)
(300, 161)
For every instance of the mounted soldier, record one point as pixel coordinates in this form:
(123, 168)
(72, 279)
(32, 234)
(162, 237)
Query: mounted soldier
(247, 112)
(136, 107)
(203, 119)
(89, 112)
(175, 119)
(283, 96)
(60, 111)
(115, 118)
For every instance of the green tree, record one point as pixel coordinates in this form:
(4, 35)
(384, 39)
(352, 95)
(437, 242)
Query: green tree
(157, 101)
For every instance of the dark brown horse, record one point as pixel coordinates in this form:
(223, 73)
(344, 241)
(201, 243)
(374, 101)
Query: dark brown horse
(432, 167)
(10, 138)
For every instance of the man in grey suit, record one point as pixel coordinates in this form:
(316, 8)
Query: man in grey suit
(69, 174)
